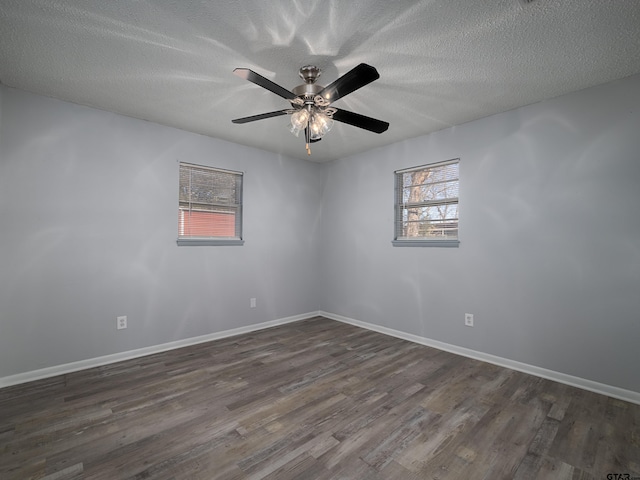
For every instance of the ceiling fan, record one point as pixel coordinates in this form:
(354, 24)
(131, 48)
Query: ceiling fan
(311, 108)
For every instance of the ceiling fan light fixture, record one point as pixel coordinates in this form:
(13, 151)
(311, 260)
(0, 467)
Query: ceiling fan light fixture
(320, 125)
(317, 121)
(311, 103)
(300, 119)
(294, 130)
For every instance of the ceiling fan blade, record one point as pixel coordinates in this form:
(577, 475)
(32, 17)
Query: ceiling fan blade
(263, 82)
(354, 79)
(361, 121)
(262, 116)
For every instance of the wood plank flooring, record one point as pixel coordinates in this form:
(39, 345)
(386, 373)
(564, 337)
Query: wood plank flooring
(315, 399)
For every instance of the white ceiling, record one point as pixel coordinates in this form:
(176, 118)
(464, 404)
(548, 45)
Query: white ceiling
(441, 63)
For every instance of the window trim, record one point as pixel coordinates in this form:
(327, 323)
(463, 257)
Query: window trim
(204, 241)
(215, 241)
(397, 204)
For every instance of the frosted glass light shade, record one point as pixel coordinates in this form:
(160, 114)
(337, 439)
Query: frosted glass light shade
(299, 119)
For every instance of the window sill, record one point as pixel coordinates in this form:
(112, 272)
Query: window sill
(426, 243)
(183, 242)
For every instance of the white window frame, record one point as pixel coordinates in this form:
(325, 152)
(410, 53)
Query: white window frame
(229, 204)
(401, 204)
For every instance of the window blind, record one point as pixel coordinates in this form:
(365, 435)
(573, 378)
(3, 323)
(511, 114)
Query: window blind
(209, 205)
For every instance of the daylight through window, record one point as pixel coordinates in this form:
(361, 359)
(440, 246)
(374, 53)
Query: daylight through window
(210, 206)
(426, 206)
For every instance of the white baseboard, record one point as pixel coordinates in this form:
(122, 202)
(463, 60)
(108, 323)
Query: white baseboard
(596, 387)
(142, 352)
(601, 388)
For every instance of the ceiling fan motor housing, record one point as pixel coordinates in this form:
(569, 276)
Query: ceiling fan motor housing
(309, 73)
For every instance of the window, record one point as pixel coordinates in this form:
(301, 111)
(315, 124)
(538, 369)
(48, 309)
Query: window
(427, 205)
(209, 206)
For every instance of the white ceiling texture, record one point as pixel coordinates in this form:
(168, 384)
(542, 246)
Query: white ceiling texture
(441, 62)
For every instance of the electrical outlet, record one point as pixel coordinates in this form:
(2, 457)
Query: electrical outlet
(121, 322)
(468, 319)
(252, 302)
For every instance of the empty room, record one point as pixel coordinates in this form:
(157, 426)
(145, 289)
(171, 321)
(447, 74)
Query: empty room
(319, 240)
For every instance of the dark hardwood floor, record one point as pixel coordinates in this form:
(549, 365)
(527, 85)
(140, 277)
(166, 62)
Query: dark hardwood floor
(315, 399)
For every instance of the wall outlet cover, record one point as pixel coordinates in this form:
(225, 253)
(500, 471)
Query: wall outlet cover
(468, 319)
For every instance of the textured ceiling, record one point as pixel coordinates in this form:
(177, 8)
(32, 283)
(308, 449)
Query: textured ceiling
(441, 63)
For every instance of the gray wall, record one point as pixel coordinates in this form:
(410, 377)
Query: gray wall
(549, 260)
(88, 206)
